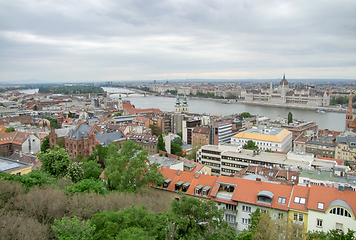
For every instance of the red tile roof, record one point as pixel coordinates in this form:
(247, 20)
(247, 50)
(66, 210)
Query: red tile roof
(327, 195)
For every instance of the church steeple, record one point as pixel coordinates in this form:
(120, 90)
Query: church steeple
(349, 113)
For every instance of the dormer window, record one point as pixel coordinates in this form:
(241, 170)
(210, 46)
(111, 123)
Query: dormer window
(265, 197)
(206, 190)
(198, 189)
(167, 182)
(178, 185)
(185, 186)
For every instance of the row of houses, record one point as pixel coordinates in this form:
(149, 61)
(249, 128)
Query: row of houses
(315, 208)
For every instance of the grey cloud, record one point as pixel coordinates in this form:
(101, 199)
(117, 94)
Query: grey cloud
(134, 39)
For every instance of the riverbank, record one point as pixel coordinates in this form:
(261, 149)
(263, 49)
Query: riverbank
(287, 106)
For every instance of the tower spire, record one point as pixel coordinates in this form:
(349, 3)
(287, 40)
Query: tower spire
(349, 113)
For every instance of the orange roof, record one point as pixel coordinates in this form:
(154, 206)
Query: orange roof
(247, 191)
(172, 174)
(2, 129)
(299, 191)
(338, 161)
(205, 180)
(327, 195)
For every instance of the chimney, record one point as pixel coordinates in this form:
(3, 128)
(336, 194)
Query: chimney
(197, 174)
(258, 179)
(178, 173)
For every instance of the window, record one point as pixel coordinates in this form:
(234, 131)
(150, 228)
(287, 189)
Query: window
(231, 207)
(246, 208)
(299, 200)
(319, 223)
(339, 227)
(298, 217)
(230, 218)
(280, 215)
(320, 205)
(282, 200)
(340, 211)
(245, 221)
(294, 177)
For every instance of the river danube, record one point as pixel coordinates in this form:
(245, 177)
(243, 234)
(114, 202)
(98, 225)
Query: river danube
(328, 120)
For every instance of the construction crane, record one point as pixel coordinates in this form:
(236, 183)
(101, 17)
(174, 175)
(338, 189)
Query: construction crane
(53, 90)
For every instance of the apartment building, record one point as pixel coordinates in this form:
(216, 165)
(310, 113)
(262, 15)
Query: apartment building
(315, 208)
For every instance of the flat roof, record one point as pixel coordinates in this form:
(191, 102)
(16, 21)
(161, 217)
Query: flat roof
(9, 165)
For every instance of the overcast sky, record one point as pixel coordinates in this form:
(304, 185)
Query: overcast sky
(113, 40)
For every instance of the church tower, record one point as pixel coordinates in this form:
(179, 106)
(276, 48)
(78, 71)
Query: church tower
(185, 105)
(178, 106)
(349, 113)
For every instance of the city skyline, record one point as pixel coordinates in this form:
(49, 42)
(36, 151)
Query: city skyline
(116, 41)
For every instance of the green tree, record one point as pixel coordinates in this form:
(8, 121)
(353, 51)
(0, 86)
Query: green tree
(92, 169)
(45, 144)
(10, 129)
(73, 229)
(262, 226)
(87, 186)
(75, 172)
(160, 144)
(31, 179)
(290, 117)
(53, 122)
(332, 235)
(156, 131)
(55, 162)
(128, 170)
(250, 145)
(176, 146)
(245, 115)
(70, 114)
(198, 219)
(131, 223)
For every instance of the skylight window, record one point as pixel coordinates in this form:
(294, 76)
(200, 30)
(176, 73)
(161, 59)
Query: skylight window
(321, 205)
(299, 200)
(281, 200)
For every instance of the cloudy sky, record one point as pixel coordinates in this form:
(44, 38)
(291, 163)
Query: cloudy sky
(114, 40)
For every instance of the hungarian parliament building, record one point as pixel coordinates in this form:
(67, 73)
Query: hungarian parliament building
(283, 95)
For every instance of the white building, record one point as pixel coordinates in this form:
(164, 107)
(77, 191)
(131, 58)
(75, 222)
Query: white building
(284, 95)
(266, 138)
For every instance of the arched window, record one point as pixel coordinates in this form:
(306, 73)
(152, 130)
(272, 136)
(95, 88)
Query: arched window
(340, 211)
